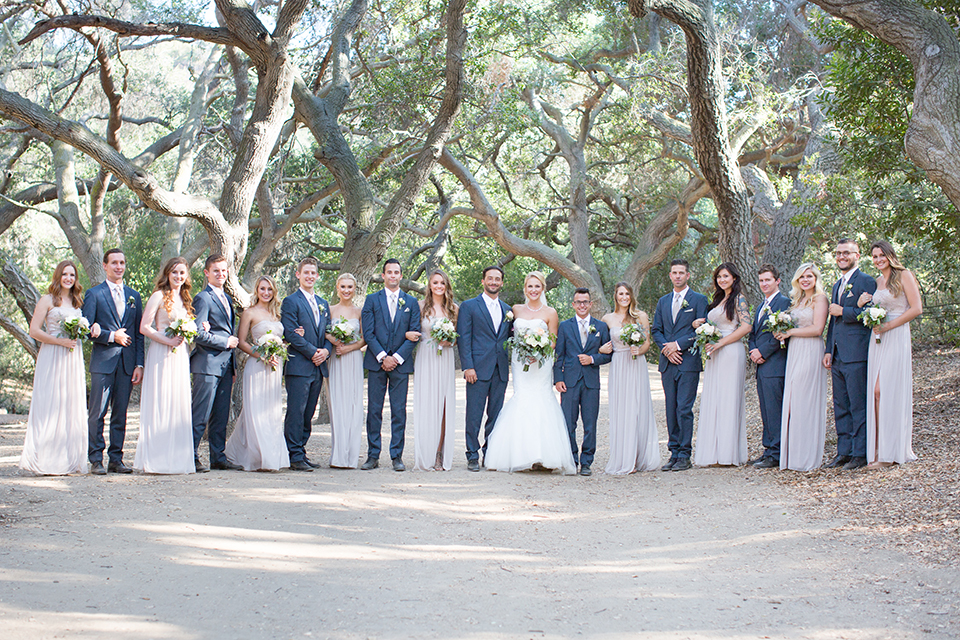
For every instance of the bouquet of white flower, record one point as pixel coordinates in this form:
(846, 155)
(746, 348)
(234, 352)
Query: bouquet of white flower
(779, 322)
(185, 328)
(343, 331)
(271, 346)
(531, 345)
(873, 317)
(76, 328)
(706, 334)
(632, 335)
(443, 330)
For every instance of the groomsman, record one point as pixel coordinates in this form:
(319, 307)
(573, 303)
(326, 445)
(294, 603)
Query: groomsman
(771, 361)
(679, 369)
(848, 342)
(305, 317)
(386, 316)
(116, 363)
(212, 364)
(483, 325)
(576, 375)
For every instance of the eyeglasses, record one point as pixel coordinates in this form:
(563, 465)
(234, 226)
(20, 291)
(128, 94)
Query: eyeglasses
(846, 254)
(581, 303)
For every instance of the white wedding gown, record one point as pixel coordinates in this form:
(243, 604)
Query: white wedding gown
(531, 428)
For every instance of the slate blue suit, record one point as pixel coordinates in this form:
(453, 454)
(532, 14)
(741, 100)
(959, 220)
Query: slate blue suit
(848, 340)
(212, 365)
(111, 368)
(302, 379)
(481, 349)
(582, 397)
(679, 381)
(770, 375)
(386, 336)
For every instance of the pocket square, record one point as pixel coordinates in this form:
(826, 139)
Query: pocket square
(406, 310)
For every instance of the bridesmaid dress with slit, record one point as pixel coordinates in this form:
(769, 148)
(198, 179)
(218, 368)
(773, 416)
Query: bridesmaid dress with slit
(434, 402)
(803, 425)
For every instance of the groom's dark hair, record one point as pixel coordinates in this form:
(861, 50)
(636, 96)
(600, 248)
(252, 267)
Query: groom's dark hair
(213, 258)
(769, 268)
(680, 261)
(581, 290)
(491, 268)
(106, 256)
(391, 261)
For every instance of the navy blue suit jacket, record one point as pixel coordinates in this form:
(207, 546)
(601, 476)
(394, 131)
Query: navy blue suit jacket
(295, 312)
(210, 355)
(847, 338)
(382, 335)
(481, 348)
(566, 364)
(768, 346)
(682, 332)
(98, 307)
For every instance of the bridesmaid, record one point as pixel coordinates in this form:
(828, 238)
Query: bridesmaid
(803, 423)
(345, 387)
(890, 363)
(434, 388)
(165, 444)
(722, 430)
(257, 442)
(56, 440)
(634, 444)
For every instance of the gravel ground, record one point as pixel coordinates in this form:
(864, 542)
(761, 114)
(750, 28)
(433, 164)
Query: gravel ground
(709, 553)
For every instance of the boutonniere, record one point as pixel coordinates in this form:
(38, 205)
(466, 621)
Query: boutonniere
(131, 301)
(509, 316)
(592, 329)
(401, 302)
(847, 289)
(684, 304)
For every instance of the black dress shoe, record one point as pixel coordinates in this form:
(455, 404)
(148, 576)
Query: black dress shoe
(300, 465)
(118, 467)
(227, 466)
(97, 469)
(839, 461)
(473, 465)
(311, 463)
(398, 465)
(669, 465)
(855, 462)
(371, 463)
(682, 464)
(766, 463)
(585, 470)
(756, 460)
(199, 466)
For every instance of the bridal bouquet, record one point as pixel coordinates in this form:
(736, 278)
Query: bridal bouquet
(531, 345)
(779, 322)
(873, 317)
(706, 334)
(343, 331)
(185, 328)
(76, 328)
(443, 330)
(271, 346)
(632, 335)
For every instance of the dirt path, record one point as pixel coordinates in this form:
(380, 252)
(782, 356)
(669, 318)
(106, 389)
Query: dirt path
(712, 553)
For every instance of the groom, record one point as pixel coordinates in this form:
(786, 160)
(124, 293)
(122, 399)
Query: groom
(386, 316)
(679, 369)
(848, 342)
(576, 375)
(771, 361)
(116, 362)
(212, 365)
(483, 324)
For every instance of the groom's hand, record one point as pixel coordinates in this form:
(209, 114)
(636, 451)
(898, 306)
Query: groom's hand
(756, 356)
(389, 363)
(121, 338)
(836, 309)
(470, 375)
(561, 386)
(585, 360)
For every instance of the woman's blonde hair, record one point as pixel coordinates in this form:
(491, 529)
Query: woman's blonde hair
(632, 311)
(449, 306)
(536, 275)
(895, 281)
(796, 293)
(273, 307)
(55, 290)
(346, 275)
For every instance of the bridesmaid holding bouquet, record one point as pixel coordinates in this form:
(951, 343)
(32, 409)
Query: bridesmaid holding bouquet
(345, 387)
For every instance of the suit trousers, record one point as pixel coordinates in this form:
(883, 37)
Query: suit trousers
(680, 392)
(211, 411)
(482, 394)
(850, 407)
(770, 395)
(581, 402)
(377, 384)
(108, 390)
(303, 393)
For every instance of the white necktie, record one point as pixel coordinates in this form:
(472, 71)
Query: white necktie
(677, 298)
(118, 299)
(494, 309)
(392, 304)
(583, 332)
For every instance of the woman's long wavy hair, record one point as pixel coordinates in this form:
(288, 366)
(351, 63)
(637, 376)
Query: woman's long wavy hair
(163, 284)
(273, 307)
(449, 306)
(55, 290)
(631, 311)
(796, 293)
(895, 281)
(730, 307)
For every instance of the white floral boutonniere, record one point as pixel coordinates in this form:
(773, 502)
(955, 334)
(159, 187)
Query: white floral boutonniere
(684, 304)
(509, 316)
(131, 301)
(401, 302)
(592, 329)
(847, 289)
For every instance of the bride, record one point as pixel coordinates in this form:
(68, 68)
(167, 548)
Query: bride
(531, 431)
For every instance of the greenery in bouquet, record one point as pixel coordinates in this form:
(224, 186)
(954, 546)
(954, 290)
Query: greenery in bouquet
(531, 345)
(185, 328)
(779, 322)
(270, 345)
(343, 331)
(873, 317)
(443, 330)
(706, 334)
(632, 335)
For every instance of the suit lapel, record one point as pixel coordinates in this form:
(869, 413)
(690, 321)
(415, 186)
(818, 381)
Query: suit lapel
(668, 310)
